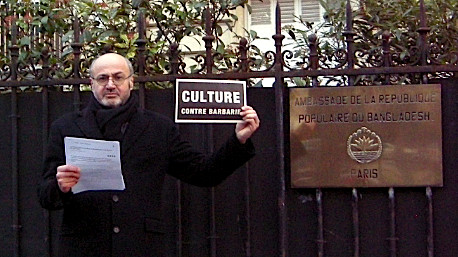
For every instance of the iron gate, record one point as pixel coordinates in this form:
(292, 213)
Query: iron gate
(255, 212)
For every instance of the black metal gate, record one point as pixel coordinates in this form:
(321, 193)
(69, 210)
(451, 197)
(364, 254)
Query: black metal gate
(254, 212)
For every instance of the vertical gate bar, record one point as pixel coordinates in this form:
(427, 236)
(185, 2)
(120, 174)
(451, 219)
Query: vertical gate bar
(430, 238)
(243, 49)
(213, 233)
(247, 211)
(44, 137)
(141, 42)
(16, 226)
(386, 53)
(355, 221)
(175, 64)
(179, 217)
(45, 122)
(208, 39)
(14, 169)
(76, 46)
(313, 45)
(423, 31)
(320, 240)
(207, 133)
(393, 237)
(349, 38)
(279, 118)
(243, 56)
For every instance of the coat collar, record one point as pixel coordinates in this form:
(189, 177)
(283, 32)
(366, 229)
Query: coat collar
(137, 125)
(88, 125)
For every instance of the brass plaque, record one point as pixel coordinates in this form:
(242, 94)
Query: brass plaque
(366, 136)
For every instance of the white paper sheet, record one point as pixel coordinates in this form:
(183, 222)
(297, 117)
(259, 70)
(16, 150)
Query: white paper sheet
(99, 161)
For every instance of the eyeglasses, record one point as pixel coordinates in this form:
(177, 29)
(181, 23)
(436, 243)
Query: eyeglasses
(117, 79)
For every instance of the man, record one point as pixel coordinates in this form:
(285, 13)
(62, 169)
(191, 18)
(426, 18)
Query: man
(127, 223)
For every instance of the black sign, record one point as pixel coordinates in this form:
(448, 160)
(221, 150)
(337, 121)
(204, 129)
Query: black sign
(209, 101)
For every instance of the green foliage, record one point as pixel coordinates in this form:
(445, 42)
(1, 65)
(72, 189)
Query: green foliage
(371, 18)
(112, 24)
(44, 18)
(401, 19)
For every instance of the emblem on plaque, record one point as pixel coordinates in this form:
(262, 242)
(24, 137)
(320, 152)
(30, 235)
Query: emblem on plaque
(364, 146)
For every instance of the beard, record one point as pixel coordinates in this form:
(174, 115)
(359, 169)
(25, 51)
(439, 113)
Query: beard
(111, 102)
(111, 98)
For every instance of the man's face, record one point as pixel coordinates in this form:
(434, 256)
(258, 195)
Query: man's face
(111, 80)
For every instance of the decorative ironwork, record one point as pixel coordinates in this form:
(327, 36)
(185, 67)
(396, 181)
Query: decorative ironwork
(342, 66)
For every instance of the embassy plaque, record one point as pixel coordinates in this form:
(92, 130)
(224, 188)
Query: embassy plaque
(366, 136)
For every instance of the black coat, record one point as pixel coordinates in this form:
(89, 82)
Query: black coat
(127, 223)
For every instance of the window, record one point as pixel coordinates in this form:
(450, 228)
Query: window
(310, 10)
(263, 13)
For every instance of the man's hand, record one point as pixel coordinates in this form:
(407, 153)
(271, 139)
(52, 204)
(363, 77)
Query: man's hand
(67, 176)
(248, 125)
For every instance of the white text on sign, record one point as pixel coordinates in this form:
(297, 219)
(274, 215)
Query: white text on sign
(210, 96)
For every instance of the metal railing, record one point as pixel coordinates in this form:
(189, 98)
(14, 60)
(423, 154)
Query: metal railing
(41, 74)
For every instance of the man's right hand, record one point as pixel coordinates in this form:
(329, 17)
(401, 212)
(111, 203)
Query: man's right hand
(67, 176)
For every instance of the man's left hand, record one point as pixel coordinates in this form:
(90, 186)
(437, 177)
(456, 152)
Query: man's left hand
(248, 125)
